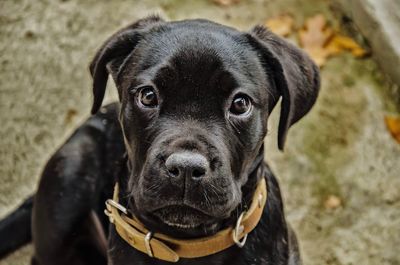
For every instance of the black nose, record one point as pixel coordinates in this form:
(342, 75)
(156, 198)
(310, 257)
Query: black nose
(188, 164)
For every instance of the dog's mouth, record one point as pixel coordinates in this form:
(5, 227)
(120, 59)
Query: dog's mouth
(182, 216)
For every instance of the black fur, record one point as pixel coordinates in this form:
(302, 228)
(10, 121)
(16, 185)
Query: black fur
(15, 230)
(196, 68)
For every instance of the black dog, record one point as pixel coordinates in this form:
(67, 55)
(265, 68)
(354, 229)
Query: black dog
(185, 145)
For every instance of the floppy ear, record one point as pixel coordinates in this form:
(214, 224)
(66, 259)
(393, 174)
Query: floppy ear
(110, 57)
(293, 73)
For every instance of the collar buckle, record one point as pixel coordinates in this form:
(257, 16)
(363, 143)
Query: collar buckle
(239, 228)
(147, 239)
(170, 249)
(113, 204)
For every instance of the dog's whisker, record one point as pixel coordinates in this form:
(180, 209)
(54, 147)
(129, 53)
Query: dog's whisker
(208, 202)
(215, 190)
(153, 187)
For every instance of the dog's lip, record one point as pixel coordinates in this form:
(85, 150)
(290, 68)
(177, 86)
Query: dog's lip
(169, 215)
(182, 226)
(177, 205)
(181, 207)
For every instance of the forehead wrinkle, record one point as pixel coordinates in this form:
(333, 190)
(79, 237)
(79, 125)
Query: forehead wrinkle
(192, 39)
(217, 76)
(193, 56)
(197, 35)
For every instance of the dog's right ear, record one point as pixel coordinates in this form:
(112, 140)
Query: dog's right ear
(293, 74)
(110, 57)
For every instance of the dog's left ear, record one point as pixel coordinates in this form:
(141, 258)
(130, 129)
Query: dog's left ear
(111, 56)
(293, 73)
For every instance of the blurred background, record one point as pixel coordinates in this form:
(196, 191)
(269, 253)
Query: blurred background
(340, 172)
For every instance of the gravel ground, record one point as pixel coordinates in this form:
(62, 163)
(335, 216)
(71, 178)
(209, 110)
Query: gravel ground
(341, 148)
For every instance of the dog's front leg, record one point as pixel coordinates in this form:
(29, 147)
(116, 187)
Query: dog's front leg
(67, 214)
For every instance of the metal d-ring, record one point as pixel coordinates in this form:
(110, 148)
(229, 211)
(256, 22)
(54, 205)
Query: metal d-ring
(115, 204)
(147, 239)
(111, 203)
(239, 228)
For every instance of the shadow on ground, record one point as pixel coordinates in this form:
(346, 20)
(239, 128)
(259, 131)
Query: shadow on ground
(342, 148)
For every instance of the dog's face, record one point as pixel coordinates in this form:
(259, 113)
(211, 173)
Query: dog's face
(194, 116)
(195, 98)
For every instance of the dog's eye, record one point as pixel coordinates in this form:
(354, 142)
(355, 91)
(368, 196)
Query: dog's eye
(241, 104)
(148, 97)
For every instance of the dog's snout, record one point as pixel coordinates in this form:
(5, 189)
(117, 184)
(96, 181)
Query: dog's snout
(187, 164)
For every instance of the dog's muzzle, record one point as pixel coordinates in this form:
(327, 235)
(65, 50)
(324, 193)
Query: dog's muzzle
(170, 249)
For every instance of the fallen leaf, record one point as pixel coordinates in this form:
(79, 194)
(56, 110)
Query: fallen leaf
(321, 42)
(340, 43)
(319, 55)
(313, 38)
(333, 49)
(359, 52)
(332, 202)
(281, 25)
(393, 125)
(225, 2)
(316, 33)
(71, 113)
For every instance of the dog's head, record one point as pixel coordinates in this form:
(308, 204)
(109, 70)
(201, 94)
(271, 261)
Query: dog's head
(195, 99)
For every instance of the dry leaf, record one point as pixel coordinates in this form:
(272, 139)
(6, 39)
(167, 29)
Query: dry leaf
(321, 42)
(71, 113)
(332, 202)
(315, 33)
(333, 48)
(319, 55)
(314, 37)
(393, 125)
(359, 52)
(282, 25)
(225, 2)
(340, 42)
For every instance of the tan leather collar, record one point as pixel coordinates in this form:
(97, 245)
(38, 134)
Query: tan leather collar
(171, 249)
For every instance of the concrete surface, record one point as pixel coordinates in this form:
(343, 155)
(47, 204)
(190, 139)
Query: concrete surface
(341, 148)
(379, 22)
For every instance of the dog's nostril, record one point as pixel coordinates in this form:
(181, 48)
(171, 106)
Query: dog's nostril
(173, 172)
(198, 173)
(188, 164)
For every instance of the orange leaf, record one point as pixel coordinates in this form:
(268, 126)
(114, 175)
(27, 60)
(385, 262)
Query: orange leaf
(281, 25)
(314, 37)
(315, 34)
(345, 43)
(332, 48)
(321, 42)
(393, 125)
(318, 54)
